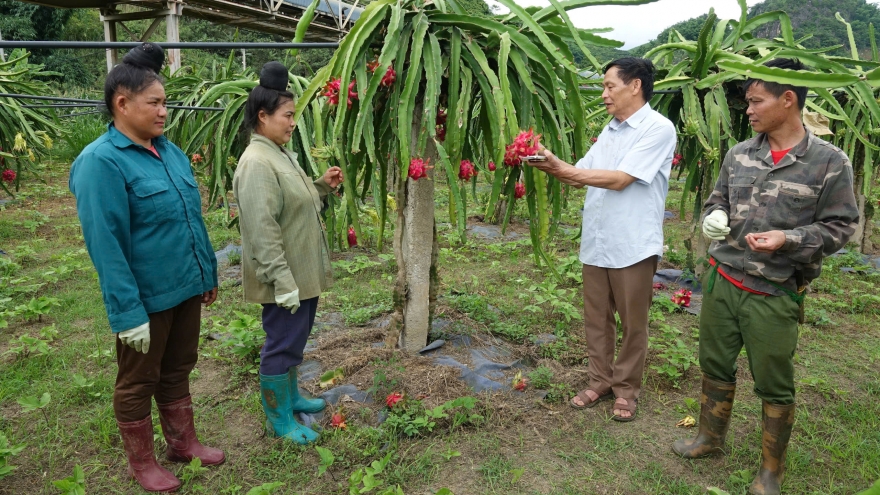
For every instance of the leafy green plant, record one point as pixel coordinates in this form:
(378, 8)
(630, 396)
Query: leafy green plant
(676, 356)
(541, 377)
(192, 471)
(246, 339)
(36, 308)
(7, 451)
(410, 417)
(366, 479)
(265, 488)
(327, 459)
(358, 264)
(547, 297)
(559, 393)
(74, 484)
(25, 346)
(29, 404)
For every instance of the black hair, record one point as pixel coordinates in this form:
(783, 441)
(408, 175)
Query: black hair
(270, 94)
(630, 68)
(777, 89)
(139, 69)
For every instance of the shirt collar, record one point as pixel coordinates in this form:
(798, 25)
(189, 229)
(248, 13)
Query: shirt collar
(259, 138)
(798, 150)
(121, 141)
(634, 120)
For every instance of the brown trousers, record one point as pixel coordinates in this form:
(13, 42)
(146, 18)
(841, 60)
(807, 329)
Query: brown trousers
(627, 291)
(164, 371)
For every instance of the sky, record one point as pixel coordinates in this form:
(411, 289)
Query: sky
(638, 24)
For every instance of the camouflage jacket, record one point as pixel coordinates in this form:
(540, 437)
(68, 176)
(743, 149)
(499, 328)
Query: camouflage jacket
(808, 196)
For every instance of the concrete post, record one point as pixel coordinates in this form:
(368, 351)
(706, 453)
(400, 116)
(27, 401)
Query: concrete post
(416, 249)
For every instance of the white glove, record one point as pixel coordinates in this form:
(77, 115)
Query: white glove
(137, 338)
(715, 225)
(289, 301)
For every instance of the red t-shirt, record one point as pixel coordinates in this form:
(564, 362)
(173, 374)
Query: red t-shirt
(777, 155)
(153, 149)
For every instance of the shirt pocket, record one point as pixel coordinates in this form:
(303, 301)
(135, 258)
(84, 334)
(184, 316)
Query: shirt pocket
(194, 200)
(795, 205)
(151, 202)
(740, 190)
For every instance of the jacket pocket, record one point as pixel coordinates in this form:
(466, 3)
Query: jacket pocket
(151, 202)
(193, 198)
(795, 206)
(740, 191)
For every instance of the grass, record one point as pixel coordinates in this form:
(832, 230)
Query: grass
(520, 446)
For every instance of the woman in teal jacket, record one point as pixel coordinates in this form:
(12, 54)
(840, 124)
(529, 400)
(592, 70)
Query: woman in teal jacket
(141, 217)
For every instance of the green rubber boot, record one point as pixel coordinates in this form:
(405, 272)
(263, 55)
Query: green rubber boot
(300, 403)
(275, 392)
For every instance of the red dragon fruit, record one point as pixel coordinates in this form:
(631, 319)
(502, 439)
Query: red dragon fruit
(526, 143)
(682, 298)
(677, 159)
(373, 65)
(197, 158)
(389, 78)
(331, 91)
(352, 237)
(466, 170)
(594, 139)
(338, 421)
(418, 168)
(9, 176)
(393, 398)
(352, 93)
(519, 190)
(440, 123)
(492, 166)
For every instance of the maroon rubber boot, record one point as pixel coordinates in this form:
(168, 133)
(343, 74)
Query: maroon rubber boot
(180, 434)
(137, 439)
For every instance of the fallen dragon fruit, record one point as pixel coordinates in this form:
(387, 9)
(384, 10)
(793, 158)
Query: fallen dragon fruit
(466, 170)
(682, 298)
(338, 421)
(520, 382)
(393, 398)
(418, 168)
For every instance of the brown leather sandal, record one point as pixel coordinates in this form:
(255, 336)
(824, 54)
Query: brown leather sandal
(631, 406)
(582, 395)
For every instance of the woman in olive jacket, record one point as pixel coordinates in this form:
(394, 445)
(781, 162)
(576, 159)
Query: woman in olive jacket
(285, 256)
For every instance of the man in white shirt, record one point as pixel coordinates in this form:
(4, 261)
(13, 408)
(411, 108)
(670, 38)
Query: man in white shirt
(627, 171)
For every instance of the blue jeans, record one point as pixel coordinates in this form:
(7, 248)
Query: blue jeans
(286, 336)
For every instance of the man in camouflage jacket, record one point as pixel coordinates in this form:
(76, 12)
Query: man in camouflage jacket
(783, 201)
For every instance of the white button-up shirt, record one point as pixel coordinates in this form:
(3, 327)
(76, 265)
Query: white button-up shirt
(622, 228)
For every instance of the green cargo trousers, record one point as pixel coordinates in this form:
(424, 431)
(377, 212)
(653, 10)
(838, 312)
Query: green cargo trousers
(766, 325)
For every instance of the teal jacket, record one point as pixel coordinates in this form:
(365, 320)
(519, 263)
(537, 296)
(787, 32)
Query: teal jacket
(142, 222)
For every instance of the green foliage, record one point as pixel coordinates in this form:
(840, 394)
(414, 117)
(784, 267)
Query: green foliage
(36, 308)
(74, 484)
(541, 377)
(551, 300)
(246, 338)
(327, 459)
(265, 488)
(411, 418)
(85, 129)
(366, 479)
(7, 451)
(192, 471)
(676, 356)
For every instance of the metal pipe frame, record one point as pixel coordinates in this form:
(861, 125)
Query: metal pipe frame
(197, 45)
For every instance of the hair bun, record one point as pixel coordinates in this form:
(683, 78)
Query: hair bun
(274, 75)
(148, 56)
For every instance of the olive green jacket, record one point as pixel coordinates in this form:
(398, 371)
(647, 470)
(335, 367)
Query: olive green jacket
(284, 245)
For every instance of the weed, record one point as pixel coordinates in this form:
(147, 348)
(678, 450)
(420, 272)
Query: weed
(7, 451)
(74, 484)
(366, 479)
(246, 339)
(678, 357)
(411, 418)
(37, 307)
(559, 393)
(265, 488)
(28, 346)
(192, 471)
(327, 460)
(541, 377)
(554, 300)
(359, 263)
(29, 404)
